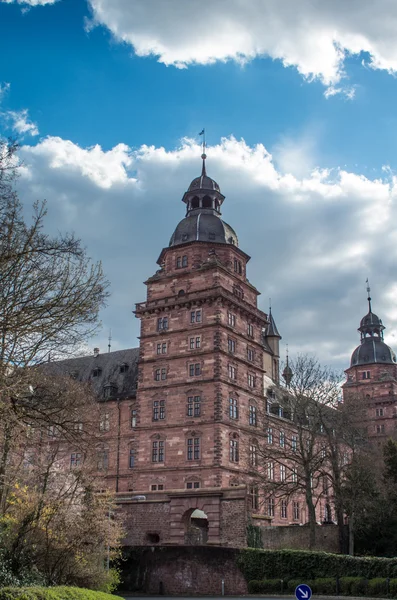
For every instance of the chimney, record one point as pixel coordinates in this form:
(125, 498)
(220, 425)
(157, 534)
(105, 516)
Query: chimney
(96, 351)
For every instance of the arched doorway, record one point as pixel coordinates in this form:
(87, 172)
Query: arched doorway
(196, 527)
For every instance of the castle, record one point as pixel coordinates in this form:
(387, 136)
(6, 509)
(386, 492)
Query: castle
(180, 415)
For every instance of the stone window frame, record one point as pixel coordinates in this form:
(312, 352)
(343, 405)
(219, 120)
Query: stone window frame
(160, 373)
(283, 472)
(194, 393)
(251, 380)
(232, 371)
(234, 448)
(162, 323)
(193, 314)
(270, 470)
(197, 366)
(296, 510)
(250, 354)
(253, 494)
(231, 319)
(133, 416)
(191, 449)
(253, 452)
(131, 454)
(102, 460)
(271, 506)
(194, 342)
(157, 487)
(191, 480)
(282, 439)
(252, 413)
(76, 459)
(283, 509)
(159, 406)
(233, 406)
(104, 421)
(161, 348)
(250, 330)
(379, 412)
(238, 267)
(161, 443)
(269, 436)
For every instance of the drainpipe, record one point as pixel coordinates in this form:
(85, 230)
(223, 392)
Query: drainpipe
(118, 445)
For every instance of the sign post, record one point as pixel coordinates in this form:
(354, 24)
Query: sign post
(303, 592)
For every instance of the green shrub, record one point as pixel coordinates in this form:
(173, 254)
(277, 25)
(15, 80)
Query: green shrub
(54, 593)
(324, 585)
(352, 586)
(393, 588)
(293, 584)
(293, 564)
(377, 587)
(264, 586)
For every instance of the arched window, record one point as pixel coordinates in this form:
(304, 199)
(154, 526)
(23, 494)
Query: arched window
(195, 203)
(207, 202)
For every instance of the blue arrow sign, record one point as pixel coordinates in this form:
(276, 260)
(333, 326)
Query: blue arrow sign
(303, 592)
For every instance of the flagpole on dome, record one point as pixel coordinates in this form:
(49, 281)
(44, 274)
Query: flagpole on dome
(203, 156)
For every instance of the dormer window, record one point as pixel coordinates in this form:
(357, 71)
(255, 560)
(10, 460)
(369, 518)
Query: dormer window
(123, 368)
(97, 372)
(109, 391)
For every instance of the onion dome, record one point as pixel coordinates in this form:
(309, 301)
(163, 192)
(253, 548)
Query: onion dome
(287, 373)
(372, 348)
(203, 221)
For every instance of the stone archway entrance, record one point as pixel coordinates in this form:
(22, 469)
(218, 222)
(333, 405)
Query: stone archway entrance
(196, 527)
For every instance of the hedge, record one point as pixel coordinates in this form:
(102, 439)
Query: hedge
(53, 593)
(378, 587)
(256, 564)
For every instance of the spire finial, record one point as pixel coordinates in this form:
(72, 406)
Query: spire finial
(369, 295)
(270, 306)
(203, 155)
(109, 340)
(287, 373)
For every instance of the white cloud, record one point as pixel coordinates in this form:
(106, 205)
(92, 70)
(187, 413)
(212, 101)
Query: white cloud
(311, 35)
(314, 238)
(20, 122)
(30, 2)
(4, 88)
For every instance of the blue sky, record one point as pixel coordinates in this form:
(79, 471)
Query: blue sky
(107, 98)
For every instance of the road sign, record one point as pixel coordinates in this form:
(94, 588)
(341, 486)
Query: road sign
(303, 592)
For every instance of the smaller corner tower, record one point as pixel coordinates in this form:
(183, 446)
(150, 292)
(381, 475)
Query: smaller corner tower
(371, 386)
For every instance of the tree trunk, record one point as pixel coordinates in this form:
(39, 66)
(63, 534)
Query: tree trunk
(351, 534)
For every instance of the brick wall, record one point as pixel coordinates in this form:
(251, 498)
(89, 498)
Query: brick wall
(186, 571)
(296, 537)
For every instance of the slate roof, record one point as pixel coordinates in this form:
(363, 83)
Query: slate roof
(203, 226)
(118, 370)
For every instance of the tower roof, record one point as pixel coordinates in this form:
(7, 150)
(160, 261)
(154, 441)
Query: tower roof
(203, 221)
(271, 330)
(372, 348)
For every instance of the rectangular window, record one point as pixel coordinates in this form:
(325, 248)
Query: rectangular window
(133, 418)
(195, 316)
(253, 455)
(163, 373)
(195, 342)
(282, 439)
(379, 412)
(283, 509)
(252, 415)
(157, 487)
(296, 511)
(231, 346)
(184, 261)
(294, 443)
(158, 451)
(131, 458)
(254, 496)
(270, 507)
(194, 370)
(178, 263)
(193, 449)
(190, 485)
(232, 371)
(269, 435)
(270, 471)
(162, 323)
(294, 475)
(250, 330)
(103, 460)
(366, 375)
(231, 319)
(251, 380)
(158, 410)
(162, 348)
(104, 423)
(233, 408)
(157, 373)
(75, 459)
(380, 429)
(250, 354)
(233, 450)
(194, 406)
(283, 471)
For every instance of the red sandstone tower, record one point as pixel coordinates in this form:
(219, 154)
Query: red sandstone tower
(371, 386)
(202, 356)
